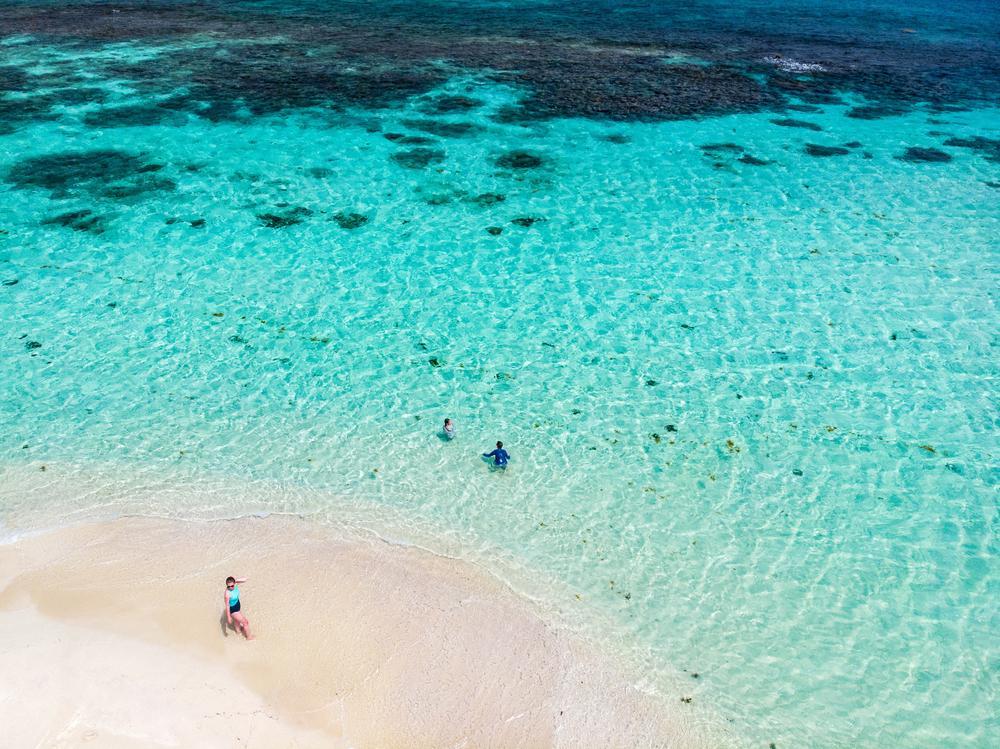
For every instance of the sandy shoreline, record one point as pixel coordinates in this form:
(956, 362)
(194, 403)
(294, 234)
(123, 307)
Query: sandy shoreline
(112, 632)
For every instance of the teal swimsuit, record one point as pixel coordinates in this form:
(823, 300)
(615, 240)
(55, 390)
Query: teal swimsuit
(234, 599)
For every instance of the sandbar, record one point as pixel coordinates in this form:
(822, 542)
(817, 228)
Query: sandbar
(113, 634)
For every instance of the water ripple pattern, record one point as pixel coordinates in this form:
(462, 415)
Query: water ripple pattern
(742, 348)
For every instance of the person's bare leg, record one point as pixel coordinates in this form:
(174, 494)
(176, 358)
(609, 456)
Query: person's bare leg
(243, 624)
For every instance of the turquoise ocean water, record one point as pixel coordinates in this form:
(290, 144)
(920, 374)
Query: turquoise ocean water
(739, 335)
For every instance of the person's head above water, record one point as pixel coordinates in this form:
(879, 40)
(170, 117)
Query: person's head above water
(230, 582)
(447, 422)
(499, 444)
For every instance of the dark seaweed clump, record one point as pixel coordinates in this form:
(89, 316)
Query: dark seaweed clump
(752, 160)
(409, 140)
(194, 223)
(803, 124)
(350, 220)
(442, 129)
(416, 140)
(486, 199)
(60, 173)
(721, 148)
(16, 113)
(277, 221)
(418, 158)
(722, 152)
(814, 149)
(450, 104)
(989, 148)
(102, 174)
(443, 198)
(877, 111)
(519, 160)
(83, 220)
(928, 155)
(285, 218)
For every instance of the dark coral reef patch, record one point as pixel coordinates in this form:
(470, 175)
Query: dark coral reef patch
(83, 220)
(61, 173)
(285, 218)
(519, 160)
(442, 129)
(568, 60)
(927, 155)
(814, 149)
(486, 199)
(988, 148)
(721, 148)
(753, 160)
(723, 153)
(801, 124)
(449, 104)
(877, 111)
(418, 158)
(350, 219)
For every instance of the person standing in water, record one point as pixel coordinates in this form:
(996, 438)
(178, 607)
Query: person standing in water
(232, 598)
(500, 456)
(449, 429)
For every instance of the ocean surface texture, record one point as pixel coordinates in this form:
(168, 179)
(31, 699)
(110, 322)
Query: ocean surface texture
(721, 275)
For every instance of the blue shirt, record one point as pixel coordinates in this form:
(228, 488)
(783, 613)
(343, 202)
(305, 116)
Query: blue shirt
(500, 456)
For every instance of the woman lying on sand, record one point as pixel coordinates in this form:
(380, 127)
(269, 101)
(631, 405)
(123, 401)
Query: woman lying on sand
(232, 598)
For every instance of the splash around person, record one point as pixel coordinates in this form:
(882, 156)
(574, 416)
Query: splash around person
(234, 617)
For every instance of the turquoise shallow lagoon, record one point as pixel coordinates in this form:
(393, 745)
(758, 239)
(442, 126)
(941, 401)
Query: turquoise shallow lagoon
(745, 363)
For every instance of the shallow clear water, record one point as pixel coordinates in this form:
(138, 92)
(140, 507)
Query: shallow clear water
(748, 387)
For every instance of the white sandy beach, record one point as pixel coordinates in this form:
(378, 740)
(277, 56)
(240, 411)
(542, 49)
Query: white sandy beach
(111, 634)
